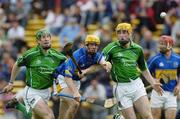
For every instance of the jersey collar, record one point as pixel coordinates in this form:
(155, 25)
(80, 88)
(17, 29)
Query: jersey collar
(41, 50)
(165, 56)
(131, 44)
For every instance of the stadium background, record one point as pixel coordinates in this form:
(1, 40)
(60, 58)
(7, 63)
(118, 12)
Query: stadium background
(71, 20)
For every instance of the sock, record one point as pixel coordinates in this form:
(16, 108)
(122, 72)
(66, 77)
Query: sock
(22, 108)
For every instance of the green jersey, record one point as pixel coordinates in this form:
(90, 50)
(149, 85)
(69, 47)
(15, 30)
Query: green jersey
(126, 62)
(39, 66)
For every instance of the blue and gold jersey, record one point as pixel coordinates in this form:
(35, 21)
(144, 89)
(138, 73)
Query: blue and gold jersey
(59, 70)
(165, 69)
(84, 61)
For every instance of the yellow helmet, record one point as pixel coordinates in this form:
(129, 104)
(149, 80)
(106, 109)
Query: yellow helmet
(124, 26)
(92, 39)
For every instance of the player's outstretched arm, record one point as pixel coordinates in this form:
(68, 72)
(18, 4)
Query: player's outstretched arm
(106, 64)
(154, 84)
(14, 72)
(73, 88)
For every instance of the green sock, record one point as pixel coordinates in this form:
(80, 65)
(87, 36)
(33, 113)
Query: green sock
(22, 108)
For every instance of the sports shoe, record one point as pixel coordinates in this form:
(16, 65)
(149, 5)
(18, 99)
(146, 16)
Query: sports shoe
(12, 103)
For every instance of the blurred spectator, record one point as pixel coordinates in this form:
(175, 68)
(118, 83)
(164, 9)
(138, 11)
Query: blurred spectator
(2, 18)
(170, 19)
(67, 3)
(105, 80)
(16, 31)
(158, 7)
(3, 37)
(69, 32)
(99, 13)
(176, 32)
(11, 16)
(7, 64)
(149, 44)
(121, 15)
(105, 35)
(88, 10)
(37, 7)
(8, 47)
(76, 13)
(3, 77)
(108, 11)
(19, 44)
(22, 12)
(146, 15)
(79, 40)
(55, 21)
(98, 91)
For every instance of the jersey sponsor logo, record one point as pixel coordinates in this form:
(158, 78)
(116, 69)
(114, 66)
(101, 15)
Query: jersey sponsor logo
(166, 75)
(128, 63)
(38, 61)
(119, 54)
(45, 70)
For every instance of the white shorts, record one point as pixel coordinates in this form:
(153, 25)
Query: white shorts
(32, 96)
(59, 84)
(19, 95)
(62, 84)
(77, 84)
(69, 91)
(167, 100)
(128, 93)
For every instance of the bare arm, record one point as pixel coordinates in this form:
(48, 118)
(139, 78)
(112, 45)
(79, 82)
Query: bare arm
(91, 69)
(105, 64)
(148, 77)
(177, 88)
(154, 84)
(72, 87)
(14, 72)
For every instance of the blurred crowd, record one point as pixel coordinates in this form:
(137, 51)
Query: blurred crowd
(72, 20)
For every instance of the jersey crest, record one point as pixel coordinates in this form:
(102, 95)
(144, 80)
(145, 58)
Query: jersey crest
(161, 64)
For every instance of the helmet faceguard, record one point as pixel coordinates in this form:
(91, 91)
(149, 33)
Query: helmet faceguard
(166, 43)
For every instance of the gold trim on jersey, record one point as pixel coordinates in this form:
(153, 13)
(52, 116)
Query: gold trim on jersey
(166, 74)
